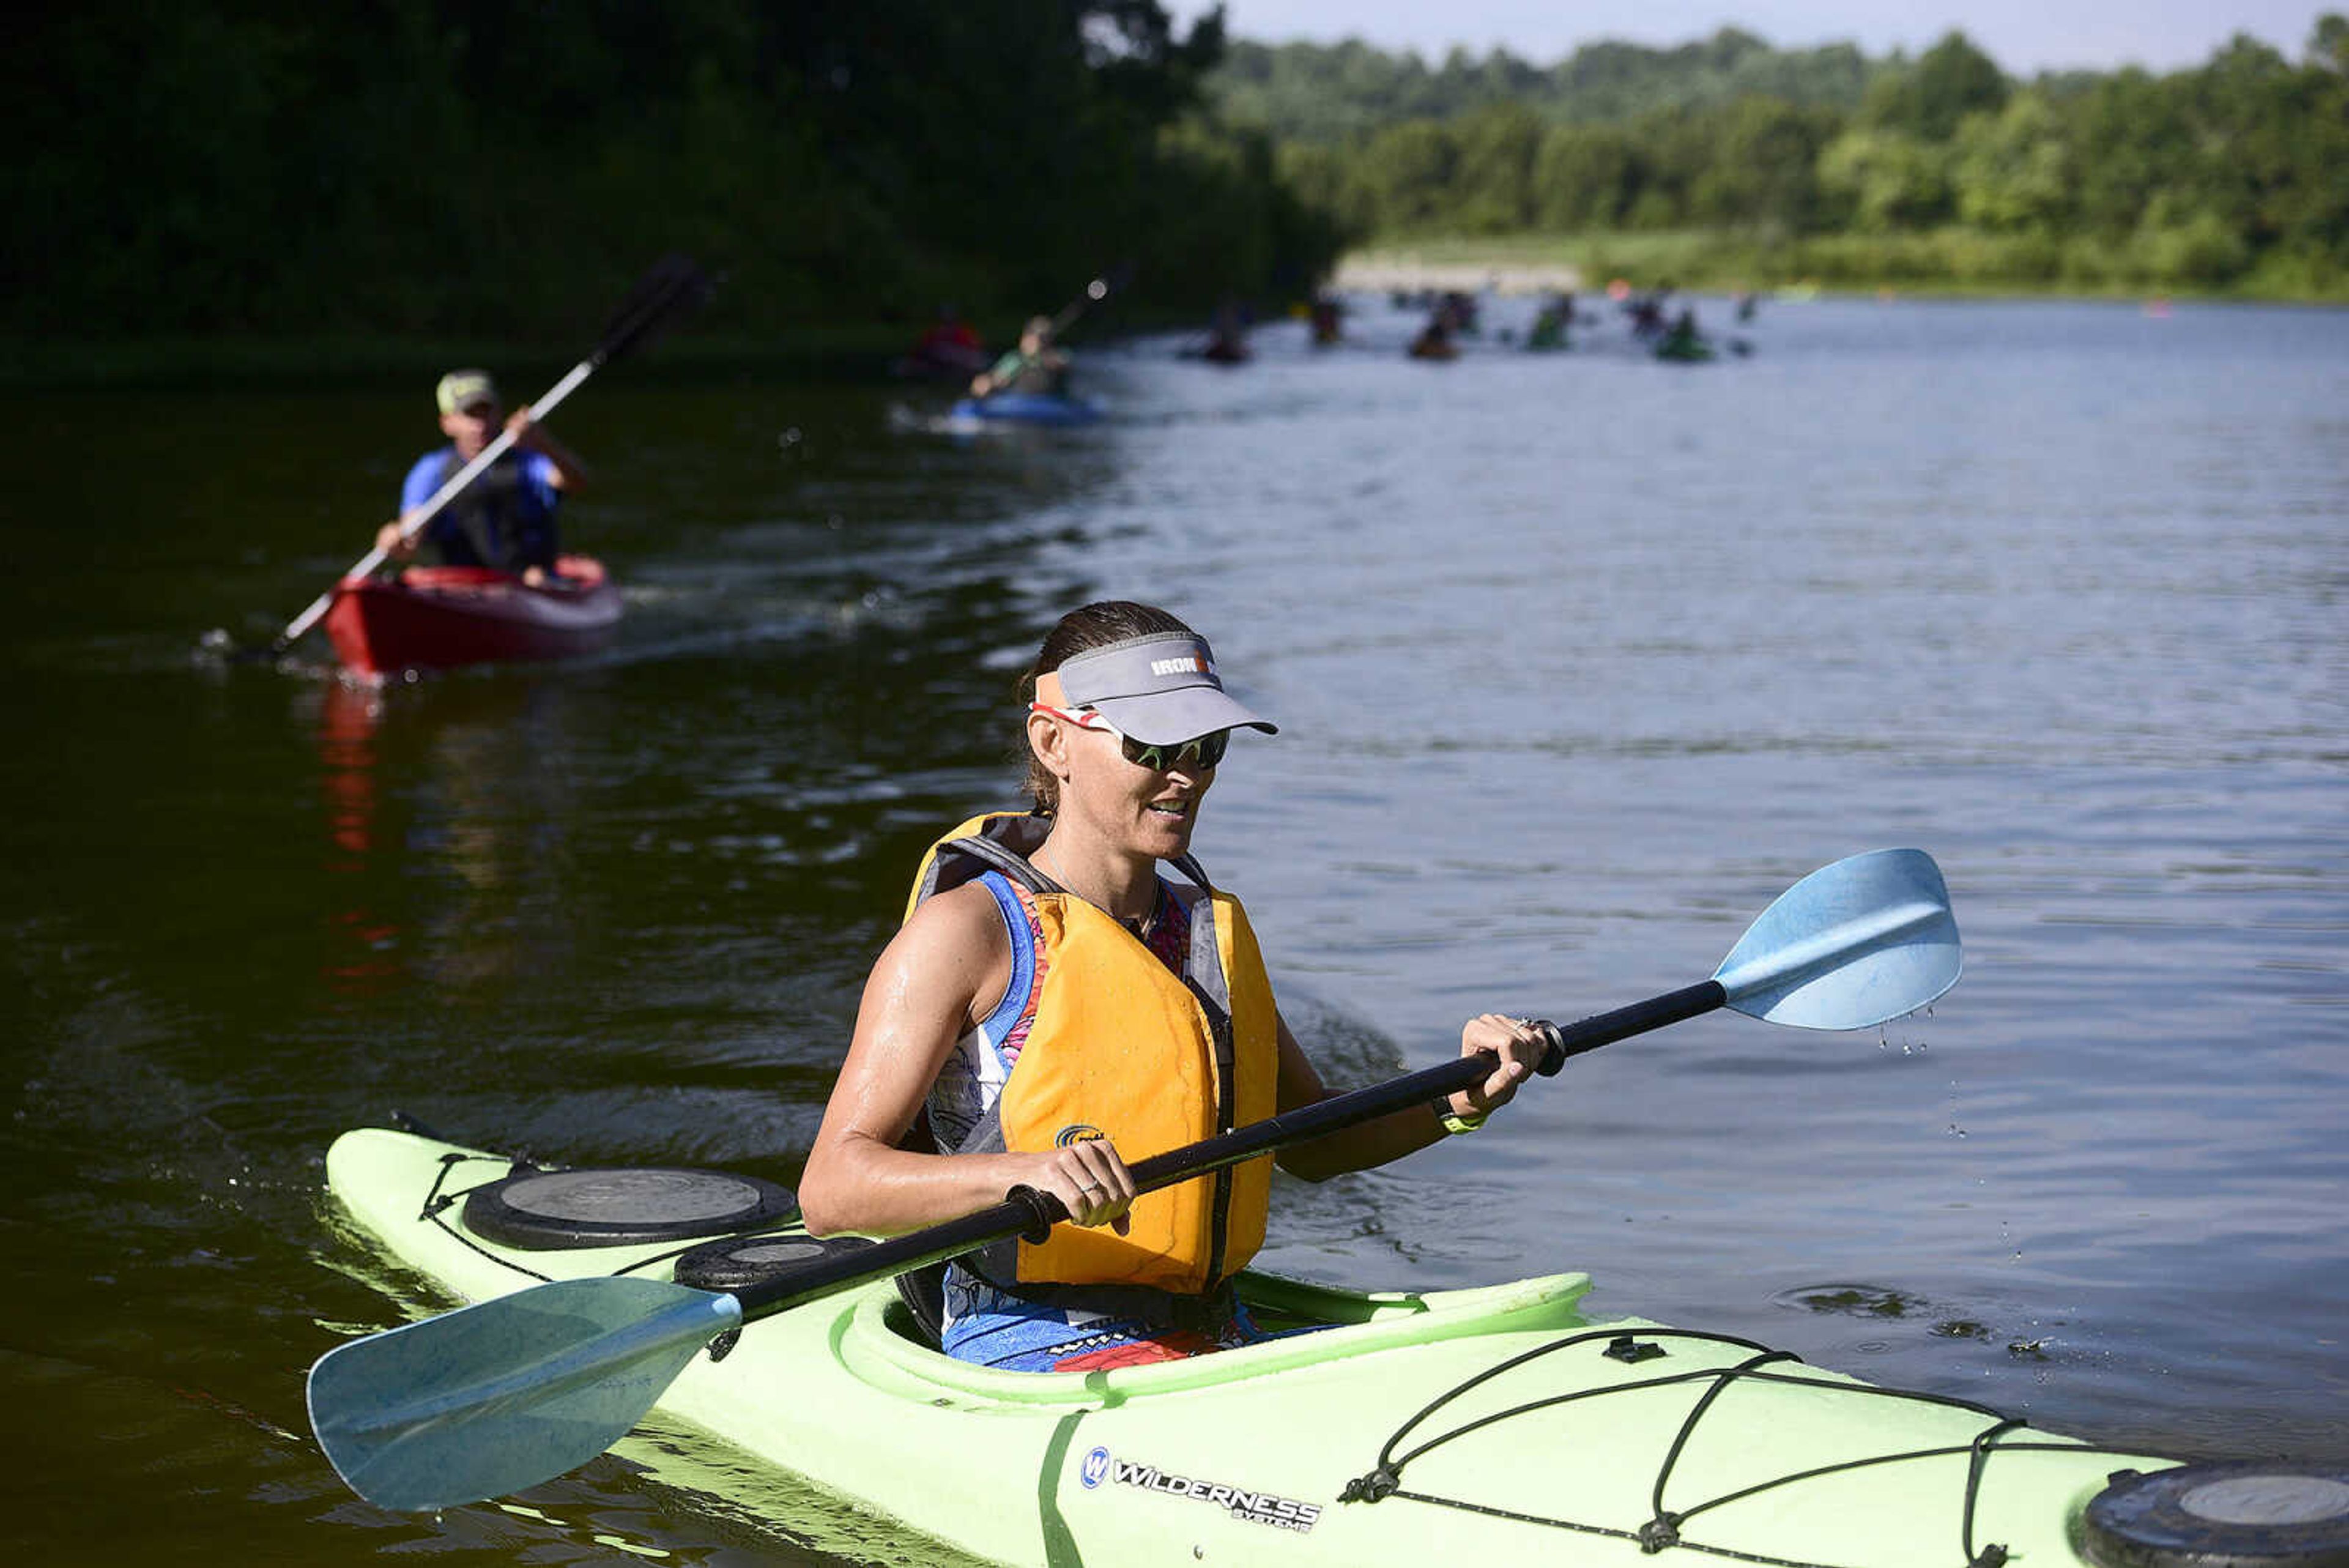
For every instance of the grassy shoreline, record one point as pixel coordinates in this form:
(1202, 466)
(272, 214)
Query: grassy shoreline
(1948, 263)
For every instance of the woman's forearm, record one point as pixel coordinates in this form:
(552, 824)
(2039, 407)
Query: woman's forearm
(860, 1186)
(1364, 1146)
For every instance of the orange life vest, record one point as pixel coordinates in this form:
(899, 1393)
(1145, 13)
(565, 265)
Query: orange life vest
(1122, 1048)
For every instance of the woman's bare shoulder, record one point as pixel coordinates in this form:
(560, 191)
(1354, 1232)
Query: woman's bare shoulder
(957, 931)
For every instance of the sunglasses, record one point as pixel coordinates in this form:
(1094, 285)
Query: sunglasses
(1201, 751)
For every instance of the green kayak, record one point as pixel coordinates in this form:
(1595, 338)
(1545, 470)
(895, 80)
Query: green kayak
(1497, 1425)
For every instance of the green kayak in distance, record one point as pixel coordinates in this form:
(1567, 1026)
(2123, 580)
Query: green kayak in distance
(1684, 351)
(1493, 1426)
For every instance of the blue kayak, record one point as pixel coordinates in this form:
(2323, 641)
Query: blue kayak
(1029, 408)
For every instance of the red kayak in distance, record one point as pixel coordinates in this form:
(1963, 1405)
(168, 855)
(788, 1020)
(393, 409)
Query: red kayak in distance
(437, 618)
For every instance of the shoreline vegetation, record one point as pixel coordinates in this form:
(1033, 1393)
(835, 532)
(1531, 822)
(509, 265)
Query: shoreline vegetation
(224, 189)
(1727, 161)
(1954, 265)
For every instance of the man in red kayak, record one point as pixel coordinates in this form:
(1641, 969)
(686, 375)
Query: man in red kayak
(505, 520)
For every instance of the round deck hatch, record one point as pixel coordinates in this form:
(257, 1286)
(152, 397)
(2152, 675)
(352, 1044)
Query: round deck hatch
(2248, 1514)
(540, 1211)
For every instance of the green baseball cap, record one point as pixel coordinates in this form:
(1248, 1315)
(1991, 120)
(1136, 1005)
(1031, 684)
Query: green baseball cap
(462, 388)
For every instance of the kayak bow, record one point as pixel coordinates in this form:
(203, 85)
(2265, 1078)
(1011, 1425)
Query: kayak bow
(438, 618)
(1028, 408)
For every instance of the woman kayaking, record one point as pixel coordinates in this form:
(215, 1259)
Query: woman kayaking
(1055, 1005)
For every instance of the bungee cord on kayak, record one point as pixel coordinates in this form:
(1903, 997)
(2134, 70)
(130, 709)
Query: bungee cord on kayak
(1668, 1521)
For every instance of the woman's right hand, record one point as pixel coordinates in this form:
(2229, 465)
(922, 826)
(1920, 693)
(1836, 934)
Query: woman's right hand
(1089, 1179)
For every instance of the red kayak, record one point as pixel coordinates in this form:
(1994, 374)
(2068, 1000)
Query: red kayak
(432, 618)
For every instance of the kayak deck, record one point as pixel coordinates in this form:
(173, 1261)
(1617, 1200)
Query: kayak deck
(1497, 1424)
(1027, 407)
(440, 617)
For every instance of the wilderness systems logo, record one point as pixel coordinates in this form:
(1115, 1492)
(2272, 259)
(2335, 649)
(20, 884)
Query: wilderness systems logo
(1255, 1506)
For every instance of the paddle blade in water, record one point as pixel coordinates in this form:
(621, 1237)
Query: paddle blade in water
(488, 1400)
(1852, 944)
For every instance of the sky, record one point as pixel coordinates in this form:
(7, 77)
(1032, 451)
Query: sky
(2024, 36)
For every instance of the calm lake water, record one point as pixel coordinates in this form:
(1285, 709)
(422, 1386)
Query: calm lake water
(1580, 660)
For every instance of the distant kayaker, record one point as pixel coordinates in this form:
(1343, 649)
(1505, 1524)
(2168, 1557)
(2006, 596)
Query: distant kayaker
(1549, 328)
(948, 347)
(1646, 312)
(1055, 1005)
(1682, 340)
(1328, 320)
(1434, 339)
(1038, 366)
(505, 520)
(1226, 336)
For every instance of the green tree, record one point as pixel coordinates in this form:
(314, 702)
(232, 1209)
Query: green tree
(2328, 43)
(1886, 180)
(1493, 183)
(1950, 81)
(1321, 179)
(2014, 171)
(2130, 140)
(1763, 165)
(1406, 174)
(2187, 249)
(1586, 176)
(1678, 145)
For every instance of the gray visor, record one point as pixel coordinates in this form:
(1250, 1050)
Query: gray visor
(1161, 689)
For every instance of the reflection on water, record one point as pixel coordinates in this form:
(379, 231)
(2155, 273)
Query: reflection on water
(347, 716)
(1580, 659)
(449, 804)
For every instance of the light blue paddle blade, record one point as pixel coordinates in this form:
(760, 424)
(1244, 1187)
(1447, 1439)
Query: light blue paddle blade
(492, 1399)
(1852, 944)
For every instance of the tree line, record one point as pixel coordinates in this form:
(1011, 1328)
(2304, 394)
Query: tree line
(501, 168)
(1823, 163)
(469, 170)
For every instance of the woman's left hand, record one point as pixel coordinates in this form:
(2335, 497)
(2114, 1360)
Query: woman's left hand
(1520, 1045)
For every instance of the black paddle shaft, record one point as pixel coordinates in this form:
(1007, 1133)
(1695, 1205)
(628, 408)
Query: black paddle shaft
(1604, 1028)
(674, 282)
(1032, 1214)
